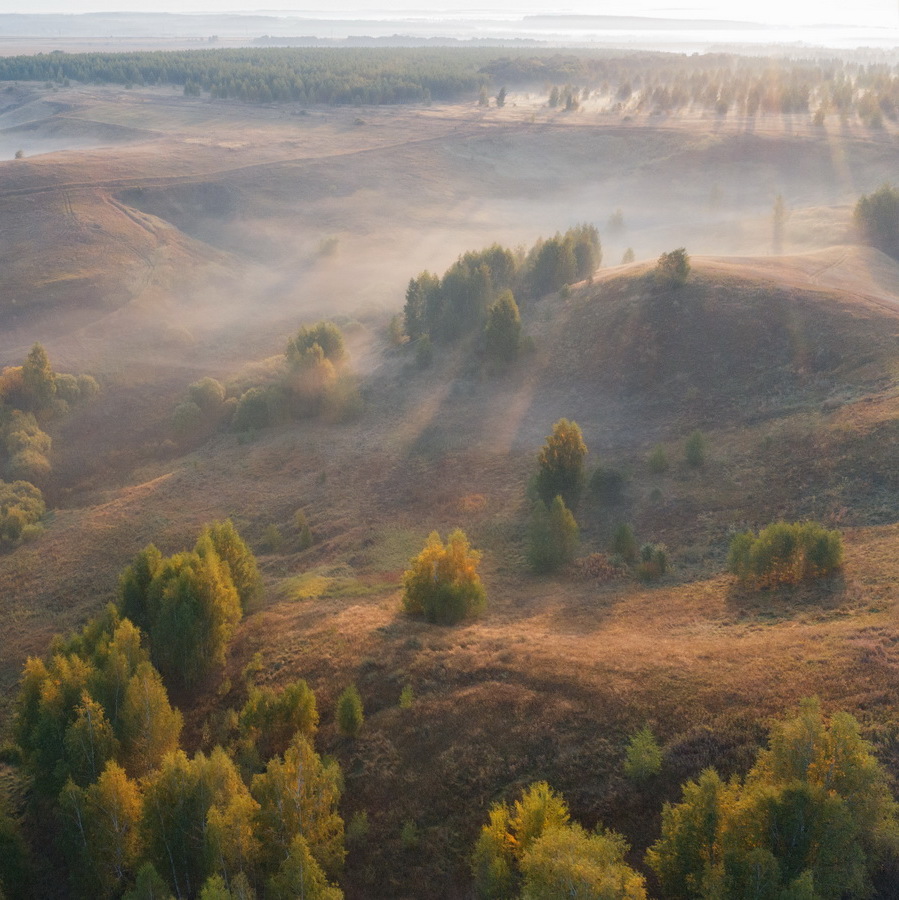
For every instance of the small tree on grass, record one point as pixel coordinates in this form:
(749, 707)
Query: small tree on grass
(624, 543)
(657, 460)
(562, 464)
(349, 712)
(785, 553)
(304, 532)
(553, 536)
(644, 756)
(673, 268)
(442, 582)
(695, 449)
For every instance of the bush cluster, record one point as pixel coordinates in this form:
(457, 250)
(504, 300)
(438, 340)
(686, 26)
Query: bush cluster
(32, 394)
(21, 508)
(672, 269)
(785, 553)
(311, 379)
(459, 302)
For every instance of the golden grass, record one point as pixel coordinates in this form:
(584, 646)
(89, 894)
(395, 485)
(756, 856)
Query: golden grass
(552, 681)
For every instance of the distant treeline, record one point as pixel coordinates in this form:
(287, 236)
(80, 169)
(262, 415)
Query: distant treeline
(309, 75)
(717, 82)
(639, 81)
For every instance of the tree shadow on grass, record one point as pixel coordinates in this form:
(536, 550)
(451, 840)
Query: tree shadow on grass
(783, 602)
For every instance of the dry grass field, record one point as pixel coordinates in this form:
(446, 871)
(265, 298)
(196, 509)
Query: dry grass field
(168, 238)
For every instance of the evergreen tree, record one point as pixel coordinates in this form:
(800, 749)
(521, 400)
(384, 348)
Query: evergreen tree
(644, 756)
(503, 329)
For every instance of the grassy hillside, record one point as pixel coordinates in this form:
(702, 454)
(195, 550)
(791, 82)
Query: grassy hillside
(793, 383)
(192, 238)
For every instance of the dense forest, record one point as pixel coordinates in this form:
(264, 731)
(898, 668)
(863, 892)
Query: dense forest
(648, 82)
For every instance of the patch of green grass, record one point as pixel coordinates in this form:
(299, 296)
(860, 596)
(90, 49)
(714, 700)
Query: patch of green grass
(321, 584)
(394, 546)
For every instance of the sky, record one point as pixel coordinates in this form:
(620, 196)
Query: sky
(883, 13)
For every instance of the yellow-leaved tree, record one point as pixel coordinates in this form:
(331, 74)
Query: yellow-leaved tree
(442, 582)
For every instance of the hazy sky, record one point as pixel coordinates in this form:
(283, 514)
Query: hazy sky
(860, 12)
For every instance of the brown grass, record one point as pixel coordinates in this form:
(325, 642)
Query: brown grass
(787, 365)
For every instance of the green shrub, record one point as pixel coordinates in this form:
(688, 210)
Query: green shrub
(409, 835)
(29, 465)
(357, 829)
(304, 532)
(187, 420)
(272, 539)
(407, 697)
(672, 269)
(624, 544)
(325, 335)
(785, 553)
(21, 507)
(207, 393)
(695, 449)
(553, 536)
(67, 388)
(653, 562)
(252, 411)
(88, 388)
(350, 715)
(644, 756)
(657, 460)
